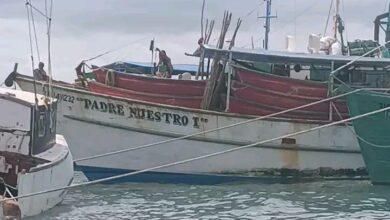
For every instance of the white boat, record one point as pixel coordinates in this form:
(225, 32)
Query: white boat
(33, 157)
(96, 124)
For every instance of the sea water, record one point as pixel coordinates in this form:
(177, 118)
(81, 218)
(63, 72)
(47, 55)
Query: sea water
(345, 199)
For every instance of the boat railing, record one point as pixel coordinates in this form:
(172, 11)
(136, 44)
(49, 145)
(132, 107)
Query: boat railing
(332, 89)
(333, 73)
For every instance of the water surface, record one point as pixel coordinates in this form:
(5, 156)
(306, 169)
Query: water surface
(315, 200)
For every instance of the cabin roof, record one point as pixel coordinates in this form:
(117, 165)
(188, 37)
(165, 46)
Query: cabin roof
(26, 98)
(269, 56)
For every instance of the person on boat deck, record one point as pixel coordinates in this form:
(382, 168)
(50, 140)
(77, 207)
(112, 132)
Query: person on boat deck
(165, 67)
(40, 73)
(198, 51)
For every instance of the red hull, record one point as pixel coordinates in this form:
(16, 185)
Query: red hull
(259, 93)
(282, 84)
(244, 107)
(182, 101)
(154, 85)
(283, 101)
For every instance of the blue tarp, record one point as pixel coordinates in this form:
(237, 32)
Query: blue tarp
(146, 68)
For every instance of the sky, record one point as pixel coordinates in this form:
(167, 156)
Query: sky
(82, 29)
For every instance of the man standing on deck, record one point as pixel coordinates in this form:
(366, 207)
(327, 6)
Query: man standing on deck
(165, 67)
(40, 73)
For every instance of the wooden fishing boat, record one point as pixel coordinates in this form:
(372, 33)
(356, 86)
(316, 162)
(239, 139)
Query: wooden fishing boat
(33, 157)
(175, 100)
(373, 132)
(149, 84)
(132, 123)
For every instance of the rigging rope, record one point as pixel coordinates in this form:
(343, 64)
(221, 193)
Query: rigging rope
(32, 53)
(47, 23)
(31, 23)
(36, 9)
(344, 22)
(35, 31)
(30, 14)
(88, 183)
(49, 65)
(115, 49)
(327, 20)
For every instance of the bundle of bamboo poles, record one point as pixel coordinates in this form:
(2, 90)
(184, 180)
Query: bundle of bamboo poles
(216, 83)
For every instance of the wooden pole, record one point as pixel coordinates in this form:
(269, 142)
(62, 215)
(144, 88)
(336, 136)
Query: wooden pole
(216, 83)
(202, 18)
(215, 67)
(206, 30)
(230, 72)
(207, 40)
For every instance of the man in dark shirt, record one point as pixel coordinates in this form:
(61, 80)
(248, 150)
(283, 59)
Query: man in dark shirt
(40, 73)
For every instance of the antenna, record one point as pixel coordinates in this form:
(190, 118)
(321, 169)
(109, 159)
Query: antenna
(267, 24)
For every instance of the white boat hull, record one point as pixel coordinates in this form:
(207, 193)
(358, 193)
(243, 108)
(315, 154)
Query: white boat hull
(55, 174)
(95, 124)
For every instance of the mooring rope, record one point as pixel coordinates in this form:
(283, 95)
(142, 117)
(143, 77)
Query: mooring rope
(88, 183)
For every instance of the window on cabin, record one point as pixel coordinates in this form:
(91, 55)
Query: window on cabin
(357, 77)
(41, 125)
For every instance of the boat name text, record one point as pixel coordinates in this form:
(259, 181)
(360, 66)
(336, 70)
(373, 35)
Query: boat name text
(144, 114)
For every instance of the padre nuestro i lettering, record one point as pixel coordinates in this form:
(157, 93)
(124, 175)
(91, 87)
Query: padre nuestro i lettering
(144, 114)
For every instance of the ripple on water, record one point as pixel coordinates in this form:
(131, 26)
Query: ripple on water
(321, 200)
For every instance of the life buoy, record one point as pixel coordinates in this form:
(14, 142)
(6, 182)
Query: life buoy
(110, 78)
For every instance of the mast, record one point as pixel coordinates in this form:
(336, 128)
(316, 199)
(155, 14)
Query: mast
(267, 25)
(339, 27)
(388, 26)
